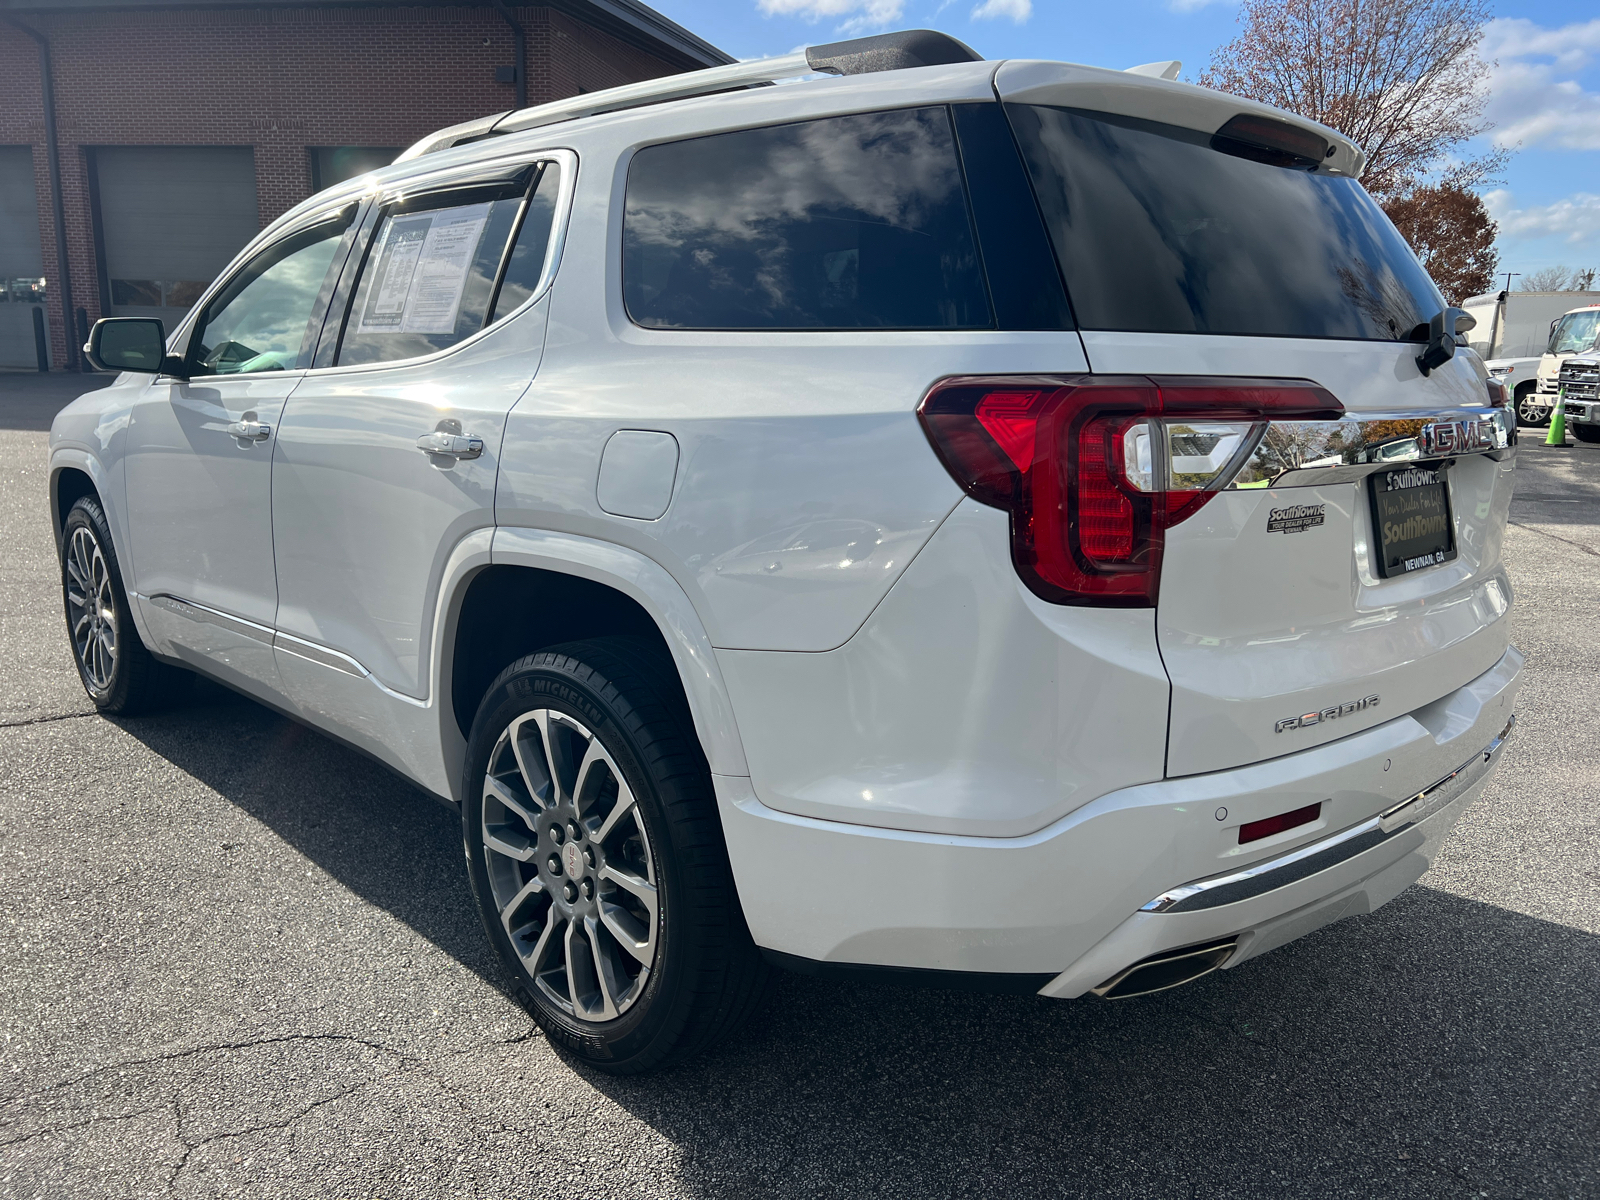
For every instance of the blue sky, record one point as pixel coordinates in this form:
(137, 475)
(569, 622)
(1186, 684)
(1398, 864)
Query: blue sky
(1544, 91)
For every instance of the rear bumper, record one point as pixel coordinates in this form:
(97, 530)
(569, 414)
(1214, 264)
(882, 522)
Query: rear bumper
(1073, 900)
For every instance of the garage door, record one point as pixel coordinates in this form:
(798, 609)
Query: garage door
(21, 265)
(171, 217)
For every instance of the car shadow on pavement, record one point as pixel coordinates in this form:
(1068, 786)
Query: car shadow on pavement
(1439, 1047)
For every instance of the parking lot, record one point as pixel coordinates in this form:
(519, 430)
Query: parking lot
(240, 959)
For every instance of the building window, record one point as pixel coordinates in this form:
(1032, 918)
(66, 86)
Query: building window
(335, 164)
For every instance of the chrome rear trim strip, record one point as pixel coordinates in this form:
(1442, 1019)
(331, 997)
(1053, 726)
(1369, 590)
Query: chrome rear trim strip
(1317, 856)
(210, 616)
(1313, 453)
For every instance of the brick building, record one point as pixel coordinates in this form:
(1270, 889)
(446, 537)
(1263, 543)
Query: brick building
(181, 127)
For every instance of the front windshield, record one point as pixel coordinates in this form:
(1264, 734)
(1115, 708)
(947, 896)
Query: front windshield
(1574, 332)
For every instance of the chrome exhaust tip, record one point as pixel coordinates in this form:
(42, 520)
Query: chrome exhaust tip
(1166, 970)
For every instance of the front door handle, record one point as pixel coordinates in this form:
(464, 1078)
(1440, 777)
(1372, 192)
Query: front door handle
(454, 445)
(249, 430)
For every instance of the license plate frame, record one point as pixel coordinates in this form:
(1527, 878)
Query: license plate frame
(1420, 492)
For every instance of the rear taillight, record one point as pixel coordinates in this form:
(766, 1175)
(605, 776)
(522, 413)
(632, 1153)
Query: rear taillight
(1499, 397)
(1095, 468)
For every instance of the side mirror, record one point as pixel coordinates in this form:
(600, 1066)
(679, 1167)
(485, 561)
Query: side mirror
(131, 344)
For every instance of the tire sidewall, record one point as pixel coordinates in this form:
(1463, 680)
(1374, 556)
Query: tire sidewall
(657, 1014)
(86, 513)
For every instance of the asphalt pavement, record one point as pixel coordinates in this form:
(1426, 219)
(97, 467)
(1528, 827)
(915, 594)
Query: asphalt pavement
(238, 959)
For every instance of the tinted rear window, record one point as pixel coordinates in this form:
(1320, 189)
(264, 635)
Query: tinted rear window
(1158, 232)
(856, 222)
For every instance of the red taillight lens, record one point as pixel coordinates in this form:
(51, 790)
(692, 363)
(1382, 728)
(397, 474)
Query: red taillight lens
(1106, 523)
(1254, 831)
(1087, 524)
(1499, 397)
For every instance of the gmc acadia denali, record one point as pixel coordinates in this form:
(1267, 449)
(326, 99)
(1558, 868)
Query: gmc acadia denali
(1012, 523)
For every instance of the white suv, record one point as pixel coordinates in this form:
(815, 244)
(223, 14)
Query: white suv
(1006, 523)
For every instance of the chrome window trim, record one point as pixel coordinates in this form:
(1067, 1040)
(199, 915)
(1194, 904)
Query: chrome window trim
(567, 160)
(263, 242)
(1285, 869)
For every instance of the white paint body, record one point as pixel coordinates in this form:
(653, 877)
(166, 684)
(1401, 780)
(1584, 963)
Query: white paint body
(918, 762)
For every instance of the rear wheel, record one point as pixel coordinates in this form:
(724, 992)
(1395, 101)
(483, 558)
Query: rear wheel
(596, 859)
(117, 670)
(1529, 413)
(1586, 433)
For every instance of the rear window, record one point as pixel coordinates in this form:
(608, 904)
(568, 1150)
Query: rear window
(1158, 232)
(855, 222)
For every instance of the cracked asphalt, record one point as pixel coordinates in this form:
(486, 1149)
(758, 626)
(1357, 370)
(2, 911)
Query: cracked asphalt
(239, 960)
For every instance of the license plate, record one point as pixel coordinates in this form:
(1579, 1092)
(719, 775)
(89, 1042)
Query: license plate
(1411, 517)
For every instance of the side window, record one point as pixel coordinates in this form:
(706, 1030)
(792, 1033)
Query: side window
(526, 264)
(257, 322)
(437, 266)
(855, 222)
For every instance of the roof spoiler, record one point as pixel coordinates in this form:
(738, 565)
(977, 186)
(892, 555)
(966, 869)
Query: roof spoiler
(859, 56)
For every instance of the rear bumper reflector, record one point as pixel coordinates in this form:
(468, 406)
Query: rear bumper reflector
(1317, 856)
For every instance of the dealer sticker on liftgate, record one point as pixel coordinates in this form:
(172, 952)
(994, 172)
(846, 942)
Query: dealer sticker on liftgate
(1411, 517)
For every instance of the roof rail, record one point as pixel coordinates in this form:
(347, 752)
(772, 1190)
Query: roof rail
(859, 56)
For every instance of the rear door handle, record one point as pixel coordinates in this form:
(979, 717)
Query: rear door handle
(454, 445)
(249, 431)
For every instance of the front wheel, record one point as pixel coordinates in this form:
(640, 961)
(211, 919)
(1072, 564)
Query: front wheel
(596, 859)
(1586, 433)
(117, 670)
(1529, 413)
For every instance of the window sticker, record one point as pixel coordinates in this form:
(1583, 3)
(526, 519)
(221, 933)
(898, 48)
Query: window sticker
(423, 265)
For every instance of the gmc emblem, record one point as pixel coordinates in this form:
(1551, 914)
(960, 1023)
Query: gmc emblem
(1456, 437)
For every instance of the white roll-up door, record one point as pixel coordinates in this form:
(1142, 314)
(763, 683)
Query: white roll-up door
(21, 264)
(171, 218)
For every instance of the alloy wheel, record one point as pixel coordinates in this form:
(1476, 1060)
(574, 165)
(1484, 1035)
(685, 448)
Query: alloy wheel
(570, 865)
(1529, 412)
(91, 608)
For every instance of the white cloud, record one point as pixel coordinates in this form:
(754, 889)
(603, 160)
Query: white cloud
(1532, 98)
(1018, 10)
(859, 14)
(1575, 219)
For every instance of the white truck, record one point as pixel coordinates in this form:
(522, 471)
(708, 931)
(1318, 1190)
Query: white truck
(1517, 335)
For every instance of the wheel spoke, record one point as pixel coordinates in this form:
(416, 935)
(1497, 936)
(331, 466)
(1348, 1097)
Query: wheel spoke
(614, 916)
(572, 965)
(623, 806)
(532, 888)
(494, 840)
(507, 796)
(536, 776)
(642, 888)
(603, 969)
(541, 948)
(595, 754)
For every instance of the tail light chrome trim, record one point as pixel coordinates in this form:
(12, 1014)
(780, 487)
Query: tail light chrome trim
(1314, 453)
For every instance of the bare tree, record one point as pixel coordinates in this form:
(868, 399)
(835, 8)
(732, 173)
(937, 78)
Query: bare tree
(1559, 279)
(1452, 234)
(1398, 77)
